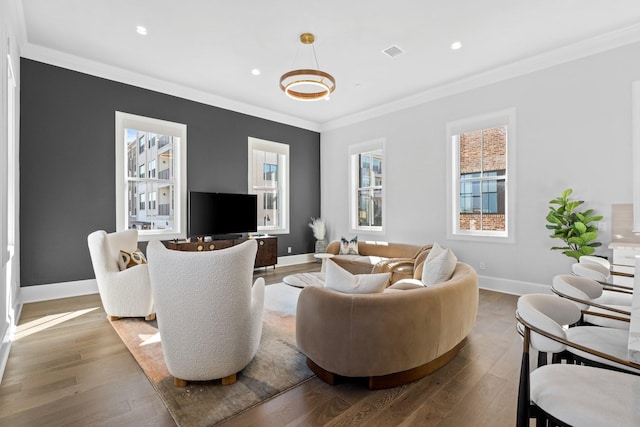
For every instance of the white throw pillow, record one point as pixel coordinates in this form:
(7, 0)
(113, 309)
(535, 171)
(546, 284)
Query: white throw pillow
(436, 250)
(439, 268)
(339, 279)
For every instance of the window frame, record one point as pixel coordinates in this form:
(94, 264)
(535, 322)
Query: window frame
(354, 152)
(283, 180)
(506, 118)
(157, 126)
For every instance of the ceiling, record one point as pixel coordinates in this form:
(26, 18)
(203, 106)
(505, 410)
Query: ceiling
(211, 47)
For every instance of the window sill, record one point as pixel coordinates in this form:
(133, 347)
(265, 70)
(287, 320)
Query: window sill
(146, 236)
(475, 237)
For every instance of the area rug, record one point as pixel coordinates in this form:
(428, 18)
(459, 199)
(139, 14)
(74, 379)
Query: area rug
(277, 367)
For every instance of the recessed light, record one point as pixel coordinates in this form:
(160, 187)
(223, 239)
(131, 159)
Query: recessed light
(141, 30)
(255, 72)
(456, 45)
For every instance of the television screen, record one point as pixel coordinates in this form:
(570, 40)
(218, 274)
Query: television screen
(212, 214)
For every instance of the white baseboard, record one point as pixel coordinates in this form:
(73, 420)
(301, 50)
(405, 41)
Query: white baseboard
(295, 259)
(58, 290)
(513, 287)
(85, 287)
(7, 339)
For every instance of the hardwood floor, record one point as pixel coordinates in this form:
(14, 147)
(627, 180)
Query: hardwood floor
(68, 367)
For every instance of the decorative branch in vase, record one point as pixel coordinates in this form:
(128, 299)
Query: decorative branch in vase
(319, 232)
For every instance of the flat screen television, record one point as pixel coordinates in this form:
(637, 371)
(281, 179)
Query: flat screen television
(220, 214)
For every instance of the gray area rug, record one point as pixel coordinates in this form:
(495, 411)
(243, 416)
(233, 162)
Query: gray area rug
(278, 365)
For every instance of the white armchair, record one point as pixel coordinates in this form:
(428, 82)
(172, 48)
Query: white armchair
(124, 293)
(209, 314)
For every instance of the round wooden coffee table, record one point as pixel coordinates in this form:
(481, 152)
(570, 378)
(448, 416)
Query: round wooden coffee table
(302, 280)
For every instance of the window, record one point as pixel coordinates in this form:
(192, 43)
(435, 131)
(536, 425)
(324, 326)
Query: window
(151, 176)
(152, 200)
(270, 172)
(481, 189)
(269, 179)
(367, 195)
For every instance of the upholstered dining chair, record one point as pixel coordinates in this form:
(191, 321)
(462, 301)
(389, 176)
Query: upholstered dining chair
(125, 293)
(568, 394)
(558, 313)
(209, 312)
(593, 271)
(591, 259)
(600, 307)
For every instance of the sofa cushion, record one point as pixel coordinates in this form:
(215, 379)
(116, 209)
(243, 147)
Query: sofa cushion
(438, 268)
(349, 247)
(339, 279)
(131, 259)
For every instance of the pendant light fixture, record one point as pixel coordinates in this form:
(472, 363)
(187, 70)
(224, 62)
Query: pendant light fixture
(308, 84)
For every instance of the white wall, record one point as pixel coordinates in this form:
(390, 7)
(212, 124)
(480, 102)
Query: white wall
(573, 130)
(10, 36)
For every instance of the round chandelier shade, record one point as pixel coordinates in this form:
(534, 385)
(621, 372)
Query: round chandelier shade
(308, 84)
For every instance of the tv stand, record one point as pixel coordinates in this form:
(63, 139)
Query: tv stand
(266, 256)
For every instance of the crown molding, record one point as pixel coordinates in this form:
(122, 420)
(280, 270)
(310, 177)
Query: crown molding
(572, 52)
(529, 65)
(98, 69)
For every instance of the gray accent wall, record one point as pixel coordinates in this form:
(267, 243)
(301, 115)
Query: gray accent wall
(67, 164)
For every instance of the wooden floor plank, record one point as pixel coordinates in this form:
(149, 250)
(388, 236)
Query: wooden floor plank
(72, 369)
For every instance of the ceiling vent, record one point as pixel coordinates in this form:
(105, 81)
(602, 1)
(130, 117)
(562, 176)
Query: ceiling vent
(393, 51)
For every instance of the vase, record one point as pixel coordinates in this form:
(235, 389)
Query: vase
(321, 247)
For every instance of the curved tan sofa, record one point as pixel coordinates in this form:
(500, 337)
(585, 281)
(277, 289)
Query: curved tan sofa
(379, 257)
(393, 337)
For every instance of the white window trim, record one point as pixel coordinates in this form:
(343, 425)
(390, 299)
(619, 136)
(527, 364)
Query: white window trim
(354, 151)
(485, 121)
(281, 149)
(131, 121)
(10, 161)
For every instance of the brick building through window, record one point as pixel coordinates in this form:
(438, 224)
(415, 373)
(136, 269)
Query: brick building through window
(483, 167)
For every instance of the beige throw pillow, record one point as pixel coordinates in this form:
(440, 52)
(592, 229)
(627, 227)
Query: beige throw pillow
(439, 267)
(339, 279)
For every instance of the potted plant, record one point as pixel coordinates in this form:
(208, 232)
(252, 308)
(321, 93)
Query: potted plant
(319, 231)
(572, 226)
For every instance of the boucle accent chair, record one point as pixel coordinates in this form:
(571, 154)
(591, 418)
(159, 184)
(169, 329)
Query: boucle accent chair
(124, 293)
(399, 259)
(392, 337)
(209, 314)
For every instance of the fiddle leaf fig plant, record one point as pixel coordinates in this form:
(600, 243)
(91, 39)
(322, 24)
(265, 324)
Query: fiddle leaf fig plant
(572, 226)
